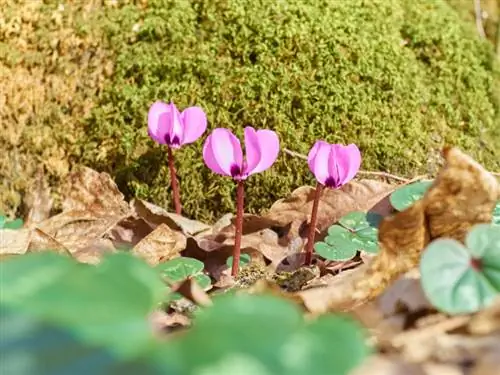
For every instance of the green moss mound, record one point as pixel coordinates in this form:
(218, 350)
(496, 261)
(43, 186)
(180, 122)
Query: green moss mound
(400, 78)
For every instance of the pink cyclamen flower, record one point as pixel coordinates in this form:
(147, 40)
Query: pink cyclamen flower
(334, 165)
(169, 127)
(223, 154)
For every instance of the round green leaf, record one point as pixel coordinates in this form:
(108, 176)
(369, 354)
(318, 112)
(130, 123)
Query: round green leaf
(459, 279)
(203, 281)
(14, 224)
(405, 196)
(99, 304)
(32, 346)
(355, 231)
(180, 269)
(245, 260)
(496, 214)
(242, 325)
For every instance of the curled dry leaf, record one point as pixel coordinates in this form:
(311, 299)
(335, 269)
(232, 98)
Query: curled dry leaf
(155, 215)
(41, 241)
(190, 289)
(89, 190)
(14, 242)
(77, 230)
(160, 245)
(462, 195)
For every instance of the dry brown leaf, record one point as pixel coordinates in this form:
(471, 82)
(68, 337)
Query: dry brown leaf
(463, 194)
(38, 201)
(41, 241)
(89, 190)
(363, 195)
(155, 216)
(77, 230)
(190, 289)
(129, 232)
(160, 245)
(163, 323)
(14, 241)
(384, 365)
(255, 223)
(486, 321)
(93, 252)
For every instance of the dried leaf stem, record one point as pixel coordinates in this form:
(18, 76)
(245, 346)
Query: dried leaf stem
(312, 224)
(173, 182)
(240, 199)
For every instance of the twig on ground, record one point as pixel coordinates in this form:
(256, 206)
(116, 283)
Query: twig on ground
(373, 173)
(479, 18)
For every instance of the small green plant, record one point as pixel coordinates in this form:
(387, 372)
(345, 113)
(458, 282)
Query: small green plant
(462, 279)
(354, 232)
(182, 268)
(10, 224)
(405, 196)
(245, 260)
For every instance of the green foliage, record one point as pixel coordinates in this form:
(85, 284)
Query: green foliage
(245, 260)
(399, 78)
(354, 232)
(462, 279)
(182, 268)
(10, 224)
(259, 334)
(93, 303)
(496, 214)
(32, 346)
(58, 316)
(405, 196)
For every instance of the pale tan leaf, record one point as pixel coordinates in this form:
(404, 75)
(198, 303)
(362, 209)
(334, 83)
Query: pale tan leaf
(155, 216)
(160, 245)
(14, 241)
(38, 201)
(89, 190)
(75, 230)
(41, 241)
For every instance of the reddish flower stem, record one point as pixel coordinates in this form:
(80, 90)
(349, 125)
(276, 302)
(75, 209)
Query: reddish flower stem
(173, 182)
(312, 224)
(240, 198)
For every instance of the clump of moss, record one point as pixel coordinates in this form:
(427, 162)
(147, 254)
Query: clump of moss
(399, 78)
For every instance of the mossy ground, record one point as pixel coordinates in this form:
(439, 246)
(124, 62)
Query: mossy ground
(400, 78)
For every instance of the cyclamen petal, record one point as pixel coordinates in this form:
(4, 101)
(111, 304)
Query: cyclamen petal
(209, 157)
(175, 134)
(159, 123)
(194, 123)
(319, 162)
(348, 161)
(262, 148)
(226, 149)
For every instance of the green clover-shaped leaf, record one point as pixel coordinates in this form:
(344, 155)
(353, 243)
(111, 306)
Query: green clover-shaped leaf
(462, 279)
(182, 268)
(355, 231)
(244, 260)
(496, 214)
(405, 196)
